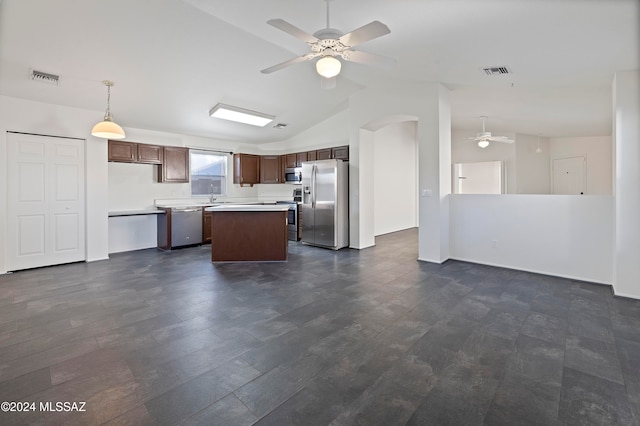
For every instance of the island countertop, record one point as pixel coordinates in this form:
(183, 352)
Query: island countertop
(248, 208)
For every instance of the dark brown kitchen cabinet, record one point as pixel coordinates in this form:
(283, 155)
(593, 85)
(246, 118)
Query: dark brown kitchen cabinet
(175, 165)
(340, 152)
(206, 226)
(150, 154)
(291, 161)
(300, 158)
(122, 151)
(133, 152)
(270, 169)
(246, 169)
(323, 154)
(312, 156)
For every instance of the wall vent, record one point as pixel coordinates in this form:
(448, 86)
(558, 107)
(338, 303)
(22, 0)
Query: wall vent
(45, 77)
(496, 70)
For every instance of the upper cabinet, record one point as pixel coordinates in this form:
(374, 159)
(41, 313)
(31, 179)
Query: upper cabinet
(172, 161)
(133, 152)
(300, 158)
(290, 161)
(323, 154)
(246, 169)
(270, 169)
(122, 151)
(150, 154)
(295, 159)
(249, 169)
(340, 152)
(175, 165)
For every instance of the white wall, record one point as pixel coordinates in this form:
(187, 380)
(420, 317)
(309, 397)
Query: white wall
(532, 169)
(395, 177)
(598, 152)
(333, 131)
(626, 136)
(429, 105)
(563, 235)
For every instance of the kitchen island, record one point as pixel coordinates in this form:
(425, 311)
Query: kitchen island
(245, 233)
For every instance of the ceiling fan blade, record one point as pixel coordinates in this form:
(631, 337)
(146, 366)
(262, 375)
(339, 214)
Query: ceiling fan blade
(288, 28)
(500, 139)
(367, 32)
(367, 58)
(289, 62)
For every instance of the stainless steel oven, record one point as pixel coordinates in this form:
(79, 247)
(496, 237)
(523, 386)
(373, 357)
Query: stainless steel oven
(292, 219)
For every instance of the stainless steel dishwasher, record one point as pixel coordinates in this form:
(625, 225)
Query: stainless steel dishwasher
(186, 226)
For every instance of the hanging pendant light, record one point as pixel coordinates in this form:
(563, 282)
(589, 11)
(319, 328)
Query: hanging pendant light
(108, 129)
(538, 150)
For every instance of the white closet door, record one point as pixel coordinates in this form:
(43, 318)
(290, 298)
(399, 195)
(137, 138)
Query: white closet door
(568, 176)
(46, 201)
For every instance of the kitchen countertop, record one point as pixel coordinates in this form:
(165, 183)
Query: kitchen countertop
(168, 205)
(135, 212)
(248, 208)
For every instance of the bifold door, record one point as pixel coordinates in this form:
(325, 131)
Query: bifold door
(46, 201)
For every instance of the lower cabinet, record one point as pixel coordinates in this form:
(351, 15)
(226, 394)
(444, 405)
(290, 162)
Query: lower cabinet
(206, 227)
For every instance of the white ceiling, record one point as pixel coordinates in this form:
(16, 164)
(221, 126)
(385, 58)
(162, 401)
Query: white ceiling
(173, 60)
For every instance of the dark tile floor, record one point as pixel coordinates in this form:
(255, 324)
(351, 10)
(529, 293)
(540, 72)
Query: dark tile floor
(370, 337)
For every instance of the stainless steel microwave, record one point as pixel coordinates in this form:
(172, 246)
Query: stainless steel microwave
(293, 175)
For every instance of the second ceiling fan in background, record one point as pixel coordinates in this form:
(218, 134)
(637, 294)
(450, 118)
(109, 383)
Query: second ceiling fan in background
(483, 138)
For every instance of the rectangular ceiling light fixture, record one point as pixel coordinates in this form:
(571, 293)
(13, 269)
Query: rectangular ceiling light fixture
(241, 115)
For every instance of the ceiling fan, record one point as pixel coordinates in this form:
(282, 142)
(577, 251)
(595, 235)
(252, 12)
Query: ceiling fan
(328, 44)
(483, 138)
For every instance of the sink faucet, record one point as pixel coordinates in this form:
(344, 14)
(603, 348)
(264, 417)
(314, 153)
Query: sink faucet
(211, 197)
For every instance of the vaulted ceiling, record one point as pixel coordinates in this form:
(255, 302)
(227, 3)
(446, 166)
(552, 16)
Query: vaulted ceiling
(173, 60)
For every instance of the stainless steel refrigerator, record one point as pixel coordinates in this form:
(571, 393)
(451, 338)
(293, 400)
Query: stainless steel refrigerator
(325, 203)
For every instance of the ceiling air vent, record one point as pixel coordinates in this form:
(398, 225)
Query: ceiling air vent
(496, 70)
(45, 77)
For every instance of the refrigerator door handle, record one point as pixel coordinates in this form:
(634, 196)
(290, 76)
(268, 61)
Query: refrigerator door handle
(313, 186)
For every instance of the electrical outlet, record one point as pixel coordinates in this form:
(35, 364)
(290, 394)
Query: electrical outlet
(494, 243)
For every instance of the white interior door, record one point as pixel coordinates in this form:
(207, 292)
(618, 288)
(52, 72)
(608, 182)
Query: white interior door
(46, 202)
(569, 176)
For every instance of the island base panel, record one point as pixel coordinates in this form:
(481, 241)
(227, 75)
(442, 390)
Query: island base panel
(249, 236)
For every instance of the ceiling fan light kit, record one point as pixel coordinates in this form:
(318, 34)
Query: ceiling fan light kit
(328, 66)
(329, 44)
(483, 144)
(108, 129)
